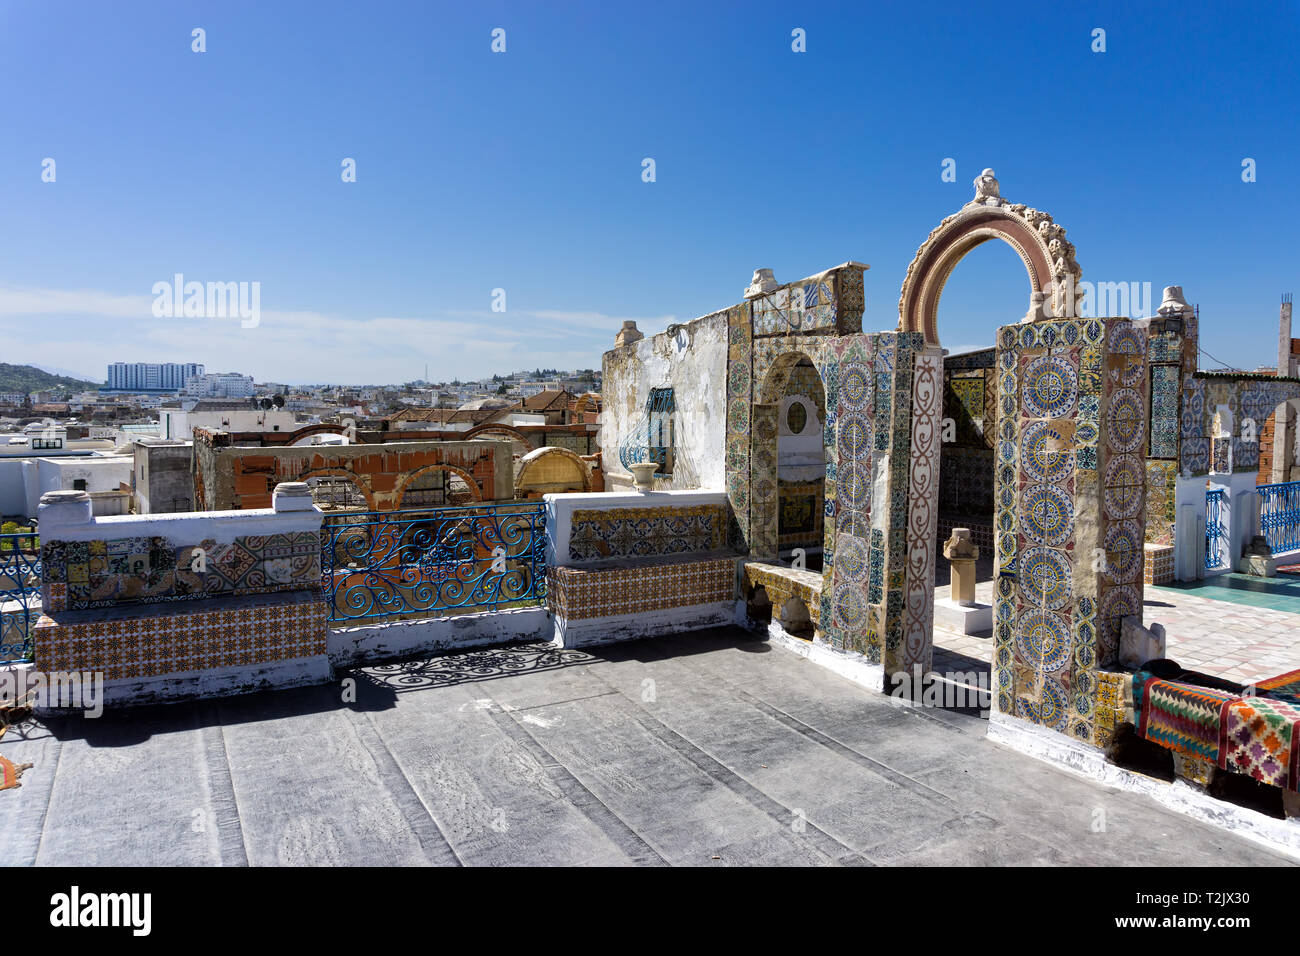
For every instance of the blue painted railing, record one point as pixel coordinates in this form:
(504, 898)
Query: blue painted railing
(20, 594)
(1279, 515)
(1216, 552)
(433, 562)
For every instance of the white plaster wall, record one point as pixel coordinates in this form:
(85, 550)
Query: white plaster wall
(104, 473)
(13, 493)
(694, 364)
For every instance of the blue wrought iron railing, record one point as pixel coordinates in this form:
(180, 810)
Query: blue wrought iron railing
(386, 564)
(1279, 515)
(1216, 553)
(20, 594)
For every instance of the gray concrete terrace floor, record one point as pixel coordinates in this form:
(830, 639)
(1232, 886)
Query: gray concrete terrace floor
(714, 748)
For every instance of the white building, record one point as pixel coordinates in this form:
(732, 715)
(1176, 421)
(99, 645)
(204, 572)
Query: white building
(219, 385)
(151, 376)
(223, 416)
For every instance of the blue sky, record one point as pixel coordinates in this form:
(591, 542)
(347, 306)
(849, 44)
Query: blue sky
(522, 170)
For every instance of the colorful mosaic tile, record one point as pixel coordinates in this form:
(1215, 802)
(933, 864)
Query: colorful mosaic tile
(640, 532)
(579, 593)
(170, 640)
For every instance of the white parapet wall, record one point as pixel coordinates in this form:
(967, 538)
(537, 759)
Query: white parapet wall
(364, 644)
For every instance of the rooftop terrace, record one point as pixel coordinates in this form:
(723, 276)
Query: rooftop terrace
(715, 748)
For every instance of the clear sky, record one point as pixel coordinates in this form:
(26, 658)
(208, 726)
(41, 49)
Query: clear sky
(522, 170)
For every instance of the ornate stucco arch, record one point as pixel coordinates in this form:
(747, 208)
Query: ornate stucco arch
(1041, 244)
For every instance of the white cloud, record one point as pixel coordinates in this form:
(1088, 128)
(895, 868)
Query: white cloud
(99, 327)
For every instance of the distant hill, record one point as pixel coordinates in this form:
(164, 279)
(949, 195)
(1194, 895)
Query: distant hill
(29, 378)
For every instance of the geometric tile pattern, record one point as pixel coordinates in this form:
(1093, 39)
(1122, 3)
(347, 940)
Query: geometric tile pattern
(167, 640)
(641, 532)
(577, 593)
(1245, 396)
(1069, 516)
(147, 570)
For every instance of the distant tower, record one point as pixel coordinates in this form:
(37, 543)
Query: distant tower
(1285, 457)
(1284, 336)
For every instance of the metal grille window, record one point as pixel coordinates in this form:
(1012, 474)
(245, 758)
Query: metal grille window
(1215, 534)
(653, 437)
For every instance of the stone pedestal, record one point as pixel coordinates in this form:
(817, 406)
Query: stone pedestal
(961, 552)
(1258, 559)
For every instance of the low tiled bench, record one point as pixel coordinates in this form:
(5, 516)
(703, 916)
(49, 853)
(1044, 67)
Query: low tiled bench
(155, 652)
(781, 583)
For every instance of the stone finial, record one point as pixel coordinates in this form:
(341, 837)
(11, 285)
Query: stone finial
(63, 509)
(64, 497)
(961, 552)
(628, 334)
(1173, 302)
(986, 189)
(292, 496)
(960, 545)
(1138, 644)
(762, 283)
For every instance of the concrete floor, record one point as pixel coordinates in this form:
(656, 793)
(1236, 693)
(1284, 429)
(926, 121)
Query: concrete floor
(706, 749)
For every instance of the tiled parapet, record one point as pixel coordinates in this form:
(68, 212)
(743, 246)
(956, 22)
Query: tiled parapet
(630, 565)
(587, 529)
(131, 643)
(167, 606)
(619, 589)
(831, 301)
(1071, 507)
(104, 562)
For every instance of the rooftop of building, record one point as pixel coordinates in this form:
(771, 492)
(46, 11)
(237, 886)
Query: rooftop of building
(745, 754)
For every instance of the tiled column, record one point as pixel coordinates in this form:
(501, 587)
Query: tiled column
(763, 522)
(922, 510)
(1070, 507)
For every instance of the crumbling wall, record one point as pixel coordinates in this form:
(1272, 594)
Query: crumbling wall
(693, 362)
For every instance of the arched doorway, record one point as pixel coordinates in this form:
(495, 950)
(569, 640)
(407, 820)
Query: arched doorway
(789, 430)
(982, 293)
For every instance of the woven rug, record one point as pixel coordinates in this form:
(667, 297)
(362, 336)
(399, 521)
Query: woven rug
(1181, 717)
(1283, 687)
(1260, 739)
(10, 772)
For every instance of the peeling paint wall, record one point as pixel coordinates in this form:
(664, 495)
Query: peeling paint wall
(694, 364)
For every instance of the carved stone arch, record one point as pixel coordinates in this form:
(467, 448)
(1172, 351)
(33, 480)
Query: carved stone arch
(1041, 244)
